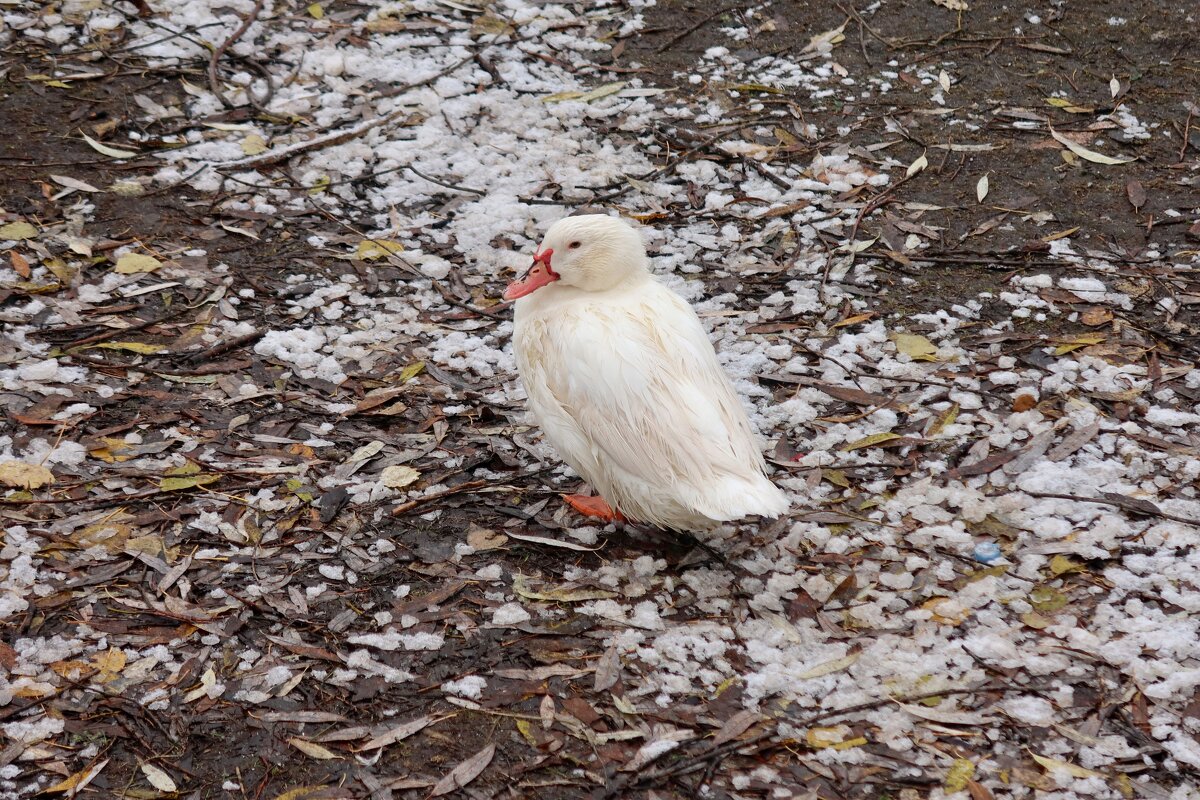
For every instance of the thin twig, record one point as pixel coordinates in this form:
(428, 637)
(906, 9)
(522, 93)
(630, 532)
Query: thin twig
(214, 82)
(768, 739)
(1138, 509)
(470, 486)
(689, 30)
(100, 337)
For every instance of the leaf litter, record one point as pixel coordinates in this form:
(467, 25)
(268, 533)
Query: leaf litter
(206, 484)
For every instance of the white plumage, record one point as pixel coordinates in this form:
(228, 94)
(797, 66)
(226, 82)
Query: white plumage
(625, 384)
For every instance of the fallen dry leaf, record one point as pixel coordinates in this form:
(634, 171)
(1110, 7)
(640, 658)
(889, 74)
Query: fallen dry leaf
(133, 263)
(915, 346)
(158, 778)
(398, 476)
(18, 231)
(24, 476)
(312, 749)
(1084, 153)
(465, 772)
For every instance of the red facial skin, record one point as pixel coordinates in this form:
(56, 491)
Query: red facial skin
(539, 274)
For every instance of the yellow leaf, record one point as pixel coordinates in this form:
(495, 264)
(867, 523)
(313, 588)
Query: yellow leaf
(946, 611)
(254, 144)
(1047, 599)
(150, 544)
(1061, 564)
(836, 477)
(1084, 153)
(109, 663)
(487, 23)
(312, 749)
(960, 772)
(1035, 620)
(1054, 765)
(158, 778)
(299, 793)
(74, 783)
(858, 741)
(944, 419)
(175, 484)
(1068, 106)
(319, 185)
(144, 348)
(24, 476)
(71, 670)
(826, 737)
(375, 249)
(854, 320)
(18, 231)
(872, 440)
(411, 371)
(915, 346)
(525, 728)
(111, 450)
(1078, 342)
(1060, 235)
(399, 476)
(132, 263)
(316, 12)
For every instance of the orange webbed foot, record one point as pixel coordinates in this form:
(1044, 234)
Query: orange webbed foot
(594, 506)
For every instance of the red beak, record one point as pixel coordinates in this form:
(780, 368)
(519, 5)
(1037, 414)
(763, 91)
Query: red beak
(538, 275)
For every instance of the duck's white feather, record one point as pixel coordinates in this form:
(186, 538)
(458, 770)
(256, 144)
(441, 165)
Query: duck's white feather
(626, 386)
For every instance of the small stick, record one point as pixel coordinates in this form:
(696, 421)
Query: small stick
(214, 82)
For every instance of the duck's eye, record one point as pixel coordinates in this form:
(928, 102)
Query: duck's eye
(573, 246)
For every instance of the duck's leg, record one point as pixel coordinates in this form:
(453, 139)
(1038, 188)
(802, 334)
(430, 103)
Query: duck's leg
(593, 506)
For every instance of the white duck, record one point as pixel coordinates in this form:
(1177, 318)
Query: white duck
(626, 386)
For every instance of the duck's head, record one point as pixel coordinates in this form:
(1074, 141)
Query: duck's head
(592, 252)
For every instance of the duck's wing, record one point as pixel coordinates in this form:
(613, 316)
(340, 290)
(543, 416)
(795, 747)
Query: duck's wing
(640, 381)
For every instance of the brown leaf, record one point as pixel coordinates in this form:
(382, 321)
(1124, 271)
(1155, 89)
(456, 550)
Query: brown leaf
(1023, 402)
(19, 264)
(848, 395)
(581, 710)
(376, 398)
(987, 465)
(804, 606)
(978, 791)
(465, 772)
(608, 670)
(1135, 193)
(1073, 442)
(397, 733)
(735, 726)
(1096, 315)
